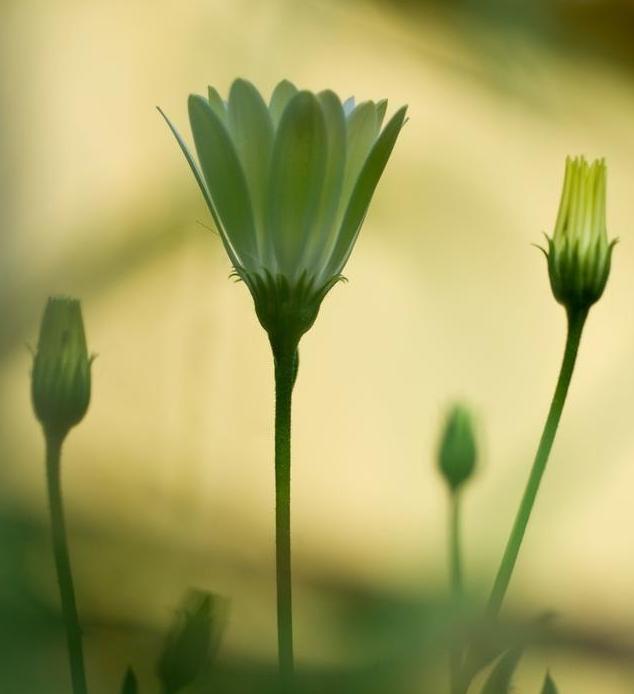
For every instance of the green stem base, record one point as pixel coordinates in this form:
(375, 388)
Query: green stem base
(62, 564)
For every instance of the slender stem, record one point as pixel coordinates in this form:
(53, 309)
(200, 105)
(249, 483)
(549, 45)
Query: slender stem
(285, 373)
(576, 321)
(455, 553)
(62, 564)
(455, 573)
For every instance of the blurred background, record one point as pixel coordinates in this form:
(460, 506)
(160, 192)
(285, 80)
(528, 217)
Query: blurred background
(169, 480)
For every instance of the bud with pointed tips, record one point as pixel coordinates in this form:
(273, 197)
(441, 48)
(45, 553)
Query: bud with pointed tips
(457, 453)
(60, 384)
(579, 253)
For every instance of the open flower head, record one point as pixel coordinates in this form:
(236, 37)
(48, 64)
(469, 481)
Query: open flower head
(579, 253)
(288, 185)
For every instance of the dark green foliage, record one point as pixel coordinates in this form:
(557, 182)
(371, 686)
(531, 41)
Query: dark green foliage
(190, 641)
(130, 684)
(549, 685)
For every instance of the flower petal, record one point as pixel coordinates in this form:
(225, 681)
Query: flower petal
(225, 179)
(362, 128)
(252, 135)
(362, 193)
(195, 170)
(282, 94)
(323, 237)
(297, 175)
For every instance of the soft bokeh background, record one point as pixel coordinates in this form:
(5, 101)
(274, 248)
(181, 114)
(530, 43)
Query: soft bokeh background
(169, 480)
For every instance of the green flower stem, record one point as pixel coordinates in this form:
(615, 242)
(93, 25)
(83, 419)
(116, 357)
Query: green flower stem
(286, 361)
(455, 554)
(455, 573)
(576, 321)
(62, 564)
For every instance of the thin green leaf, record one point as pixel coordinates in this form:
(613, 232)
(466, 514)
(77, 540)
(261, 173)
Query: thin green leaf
(252, 134)
(549, 686)
(225, 180)
(297, 175)
(282, 94)
(362, 194)
(130, 684)
(501, 677)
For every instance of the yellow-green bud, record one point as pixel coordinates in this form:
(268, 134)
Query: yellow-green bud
(60, 385)
(579, 252)
(457, 452)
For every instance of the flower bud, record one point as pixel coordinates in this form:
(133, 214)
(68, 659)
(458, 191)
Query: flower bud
(579, 252)
(60, 385)
(457, 451)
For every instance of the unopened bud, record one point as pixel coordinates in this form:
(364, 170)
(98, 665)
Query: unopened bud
(579, 253)
(457, 452)
(60, 385)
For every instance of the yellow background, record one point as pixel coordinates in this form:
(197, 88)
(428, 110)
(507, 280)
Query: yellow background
(447, 299)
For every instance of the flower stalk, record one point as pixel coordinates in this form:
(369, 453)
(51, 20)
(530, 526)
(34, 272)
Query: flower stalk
(62, 564)
(286, 362)
(60, 390)
(576, 322)
(288, 185)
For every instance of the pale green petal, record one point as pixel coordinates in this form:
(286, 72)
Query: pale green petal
(297, 174)
(348, 105)
(322, 238)
(201, 183)
(252, 134)
(362, 130)
(363, 191)
(217, 104)
(282, 94)
(225, 179)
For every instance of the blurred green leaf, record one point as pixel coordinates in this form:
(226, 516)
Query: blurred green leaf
(549, 685)
(191, 641)
(501, 677)
(130, 684)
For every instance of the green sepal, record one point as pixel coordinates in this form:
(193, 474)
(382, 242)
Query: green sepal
(285, 310)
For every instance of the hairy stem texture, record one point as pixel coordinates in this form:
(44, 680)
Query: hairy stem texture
(285, 372)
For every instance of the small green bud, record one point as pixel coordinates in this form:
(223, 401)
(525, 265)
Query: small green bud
(60, 385)
(457, 451)
(579, 253)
